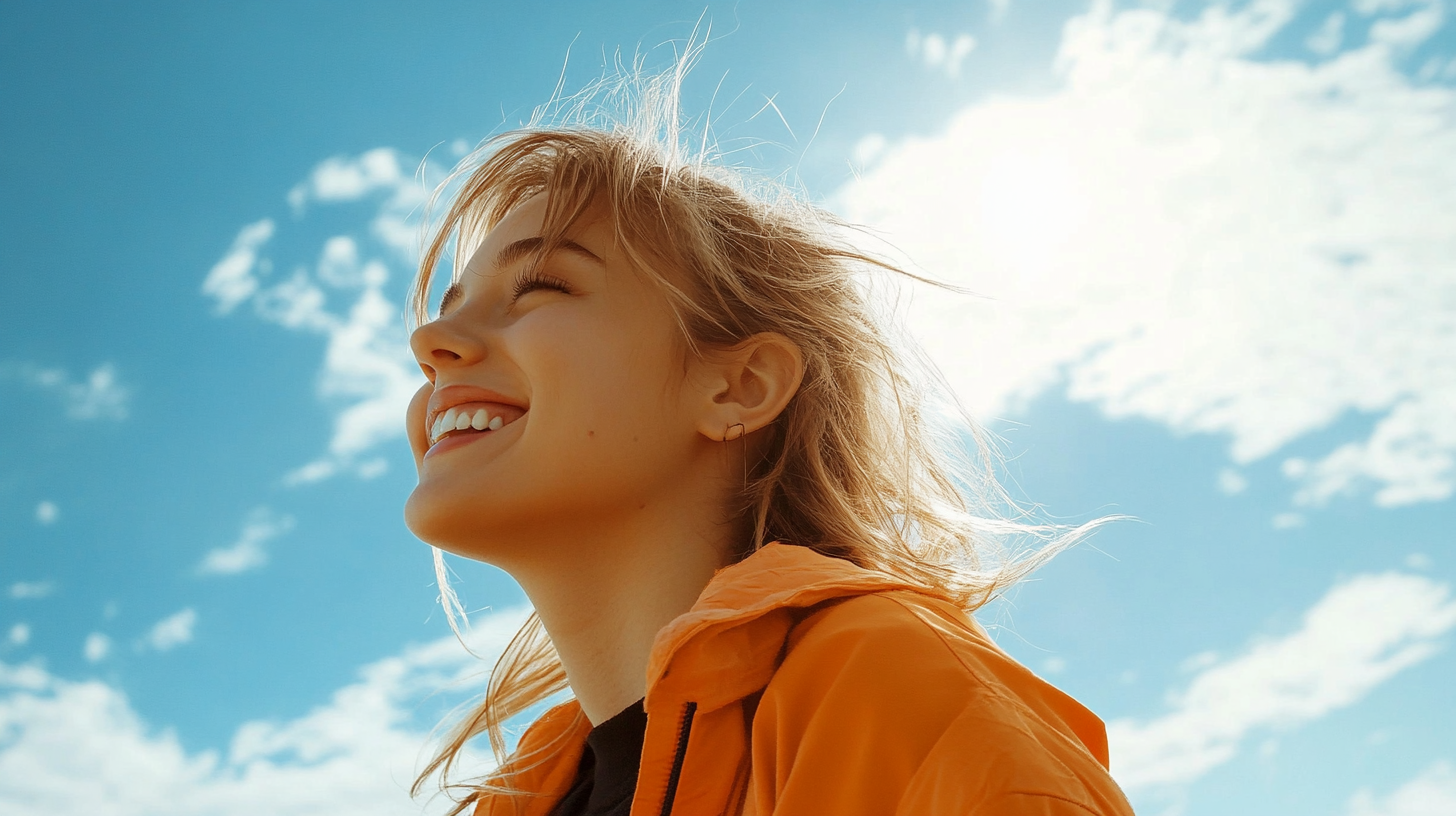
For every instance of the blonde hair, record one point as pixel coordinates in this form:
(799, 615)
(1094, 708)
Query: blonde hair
(860, 465)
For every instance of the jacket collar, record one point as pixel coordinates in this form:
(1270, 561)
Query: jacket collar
(727, 647)
(729, 644)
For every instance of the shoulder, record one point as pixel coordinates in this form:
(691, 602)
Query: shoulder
(904, 651)
(901, 635)
(911, 686)
(878, 655)
(905, 646)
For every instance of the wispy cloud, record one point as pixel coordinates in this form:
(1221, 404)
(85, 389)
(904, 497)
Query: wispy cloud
(1231, 482)
(939, 53)
(1432, 793)
(1421, 19)
(1185, 233)
(1340, 652)
(31, 590)
(1287, 521)
(349, 178)
(172, 631)
(367, 371)
(72, 744)
(96, 647)
(47, 513)
(234, 279)
(1328, 38)
(247, 553)
(98, 395)
(19, 634)
(378, 172)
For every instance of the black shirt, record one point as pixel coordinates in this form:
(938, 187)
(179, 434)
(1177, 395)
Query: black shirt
(607, 775)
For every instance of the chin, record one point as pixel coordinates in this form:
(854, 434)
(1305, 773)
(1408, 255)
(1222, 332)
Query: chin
(434, 521)
(456, 524)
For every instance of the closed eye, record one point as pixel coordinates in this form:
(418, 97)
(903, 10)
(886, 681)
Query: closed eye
(533, 279)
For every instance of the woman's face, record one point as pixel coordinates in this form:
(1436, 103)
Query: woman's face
(557, 399)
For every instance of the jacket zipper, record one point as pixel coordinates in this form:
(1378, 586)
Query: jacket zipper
(689, 711)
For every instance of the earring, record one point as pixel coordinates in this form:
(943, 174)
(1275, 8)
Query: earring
(729, 429)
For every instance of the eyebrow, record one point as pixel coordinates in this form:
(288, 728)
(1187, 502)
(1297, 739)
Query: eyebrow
(517, 250)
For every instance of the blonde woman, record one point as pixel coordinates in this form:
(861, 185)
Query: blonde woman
(663, 404)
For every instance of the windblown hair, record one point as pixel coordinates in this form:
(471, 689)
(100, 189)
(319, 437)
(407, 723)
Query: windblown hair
(863, 464)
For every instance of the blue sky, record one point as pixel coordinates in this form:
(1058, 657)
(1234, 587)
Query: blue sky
(1216, 242)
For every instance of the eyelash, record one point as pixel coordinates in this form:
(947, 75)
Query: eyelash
(536, 279)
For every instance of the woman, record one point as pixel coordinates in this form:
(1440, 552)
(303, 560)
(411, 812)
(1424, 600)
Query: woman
(664, 405)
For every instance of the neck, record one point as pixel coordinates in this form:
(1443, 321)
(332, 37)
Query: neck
(603, 595)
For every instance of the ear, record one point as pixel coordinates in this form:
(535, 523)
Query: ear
(744, 388)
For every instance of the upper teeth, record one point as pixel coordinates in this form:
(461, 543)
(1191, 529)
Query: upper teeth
(455, 419)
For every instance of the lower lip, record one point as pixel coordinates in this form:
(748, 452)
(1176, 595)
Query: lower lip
(450, 443)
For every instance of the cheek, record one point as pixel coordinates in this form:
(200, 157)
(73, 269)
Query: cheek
(605, 433)
(414, 421)
(609, 436)
(605, 384)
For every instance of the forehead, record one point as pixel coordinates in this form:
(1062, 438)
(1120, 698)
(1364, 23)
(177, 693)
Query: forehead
(527, 220)
(524, 220)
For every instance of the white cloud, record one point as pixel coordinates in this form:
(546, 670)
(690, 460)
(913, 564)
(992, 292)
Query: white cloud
(368, 372)
(374, 172)
(369, 365)
(297, 303)
(939, 53)
(868, 148)
(247, 553)
(96, 647)
(232, 280)
(72, 744)
(1418, 561)
(1198, 662)
(1369, 7)
(315, 471)
(47, 512)
(339, 265)
(1410, 30)
(1183, 233)
(1437, 68)
(99, 395)
(1361, 633)
(31, 590)
(19, 634)
(172, 631)
(344, 178)
(1432, 793)
(1287, 521)
(1329, 36)
(373, 468)
(1231, 482)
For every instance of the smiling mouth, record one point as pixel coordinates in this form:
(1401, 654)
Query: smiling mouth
(472, 418)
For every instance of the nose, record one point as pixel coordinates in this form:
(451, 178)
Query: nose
(446, 343)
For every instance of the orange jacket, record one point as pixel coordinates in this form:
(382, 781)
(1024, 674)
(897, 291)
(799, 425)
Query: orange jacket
(801, 684)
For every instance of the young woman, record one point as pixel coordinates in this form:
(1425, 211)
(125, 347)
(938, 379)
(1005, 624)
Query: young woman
(665, 406)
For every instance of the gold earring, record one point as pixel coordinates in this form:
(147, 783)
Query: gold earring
(739, 435)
